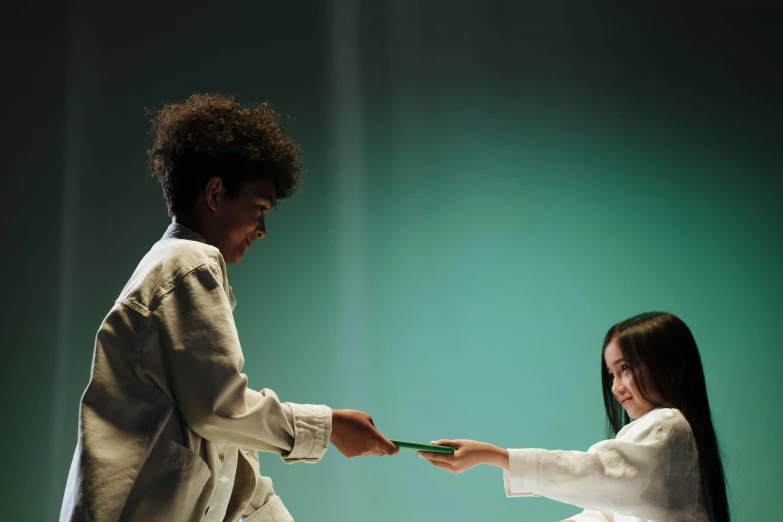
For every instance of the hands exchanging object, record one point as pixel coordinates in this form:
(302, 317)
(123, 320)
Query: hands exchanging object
(354, 434)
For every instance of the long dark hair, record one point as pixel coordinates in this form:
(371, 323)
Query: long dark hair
(665, 345)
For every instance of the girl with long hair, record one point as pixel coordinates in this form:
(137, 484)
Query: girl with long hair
(663, 464)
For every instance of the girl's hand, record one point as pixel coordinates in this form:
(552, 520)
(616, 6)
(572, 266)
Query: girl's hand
(467, 454)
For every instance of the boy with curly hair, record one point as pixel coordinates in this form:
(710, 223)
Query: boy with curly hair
(169, 429)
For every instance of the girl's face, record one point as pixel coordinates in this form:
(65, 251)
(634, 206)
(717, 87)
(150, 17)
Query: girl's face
(624, 383)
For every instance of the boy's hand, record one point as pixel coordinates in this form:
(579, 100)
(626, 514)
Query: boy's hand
(354, 434)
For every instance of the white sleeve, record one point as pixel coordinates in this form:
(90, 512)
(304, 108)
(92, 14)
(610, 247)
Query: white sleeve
(591, 515)
(628, 475)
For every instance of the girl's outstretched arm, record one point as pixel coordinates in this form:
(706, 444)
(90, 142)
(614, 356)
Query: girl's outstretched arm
(467, 454)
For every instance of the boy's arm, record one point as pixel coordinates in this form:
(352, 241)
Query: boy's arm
(196, 359)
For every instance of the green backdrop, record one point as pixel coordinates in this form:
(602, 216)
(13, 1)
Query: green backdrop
(488, 188)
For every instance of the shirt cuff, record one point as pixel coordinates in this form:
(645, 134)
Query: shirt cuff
(589, 515)
(272, 511)
(312, 428)
(521, 478)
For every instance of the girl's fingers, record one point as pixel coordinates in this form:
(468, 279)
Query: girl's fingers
(443, 465)
(445, 442)
(437, 457)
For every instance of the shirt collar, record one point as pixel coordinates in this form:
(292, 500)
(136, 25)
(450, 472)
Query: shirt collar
(180, 231)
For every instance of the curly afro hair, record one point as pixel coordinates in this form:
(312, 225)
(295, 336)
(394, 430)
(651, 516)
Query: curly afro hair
(213, 135)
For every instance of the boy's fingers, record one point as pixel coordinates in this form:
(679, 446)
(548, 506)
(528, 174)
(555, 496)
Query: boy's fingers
(389, 448)
(385, 445)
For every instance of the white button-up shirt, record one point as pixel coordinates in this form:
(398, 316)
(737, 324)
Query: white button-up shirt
(649, 472)
(169, 429)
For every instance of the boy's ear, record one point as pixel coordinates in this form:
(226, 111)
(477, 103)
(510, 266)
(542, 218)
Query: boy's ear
(213, 191)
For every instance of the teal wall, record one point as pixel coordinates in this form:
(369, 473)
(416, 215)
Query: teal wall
(488, 189)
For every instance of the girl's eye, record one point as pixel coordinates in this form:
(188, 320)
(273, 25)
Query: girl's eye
(611, 376)
(625, 367)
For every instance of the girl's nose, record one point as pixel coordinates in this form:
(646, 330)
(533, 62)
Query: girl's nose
(617, 386)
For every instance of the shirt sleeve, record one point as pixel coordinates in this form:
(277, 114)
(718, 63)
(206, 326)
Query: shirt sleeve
(628, 475)
(591, 515)
(196, 359)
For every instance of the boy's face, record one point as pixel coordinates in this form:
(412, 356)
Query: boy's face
(237, 222)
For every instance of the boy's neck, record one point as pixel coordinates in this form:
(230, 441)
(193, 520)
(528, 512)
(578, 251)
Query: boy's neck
(191, 222)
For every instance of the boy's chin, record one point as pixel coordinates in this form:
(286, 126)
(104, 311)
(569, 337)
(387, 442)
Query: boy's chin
(233, 257)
